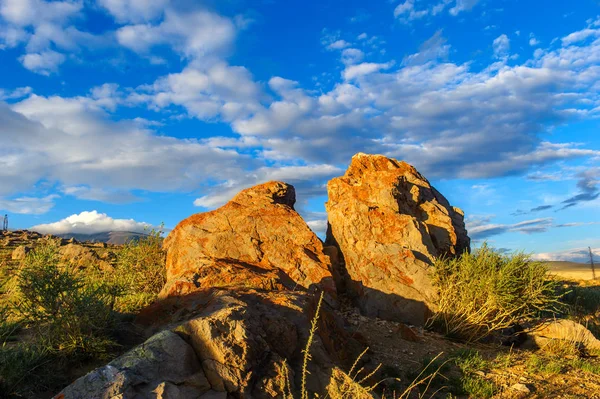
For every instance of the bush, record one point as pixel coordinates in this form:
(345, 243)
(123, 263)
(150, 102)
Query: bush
(485, 291)
(140, 271)
(69, 314)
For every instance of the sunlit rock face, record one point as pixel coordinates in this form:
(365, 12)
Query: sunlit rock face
(257, 232)
(389, 224)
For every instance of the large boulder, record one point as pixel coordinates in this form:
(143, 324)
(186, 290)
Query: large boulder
(224, 343)
(259, 232)
(165, 366)
(564, 330)
(389, 224)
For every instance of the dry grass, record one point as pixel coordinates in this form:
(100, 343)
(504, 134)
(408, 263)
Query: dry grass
(486, 291)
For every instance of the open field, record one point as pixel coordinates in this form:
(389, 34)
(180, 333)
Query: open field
(572, 270)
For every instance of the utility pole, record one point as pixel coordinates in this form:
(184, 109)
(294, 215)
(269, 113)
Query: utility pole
(5, 223)
(592, 262)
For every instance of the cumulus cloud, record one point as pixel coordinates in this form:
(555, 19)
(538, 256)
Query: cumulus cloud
(46, 28)
(365, 68)
(309, 181)
(533, 41)
(43, 63)
(197, 35)
(72, 141)
(91, 223)
(501, 46)
(579, 255)
(135, 11)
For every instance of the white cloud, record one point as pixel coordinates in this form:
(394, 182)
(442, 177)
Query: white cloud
(352, 56)
(91, 223)
(501, 46)
(134, 10)
(17, 93)
(46, 29)
(43, 63)
(198, 34)
(308, 181)
(318, 226)
(72, 141)
(365, 68)
(28, 205)
(338, 45)
(580, 255)
(463, 5)
(533, 41)
(580, 36)
(407, 10)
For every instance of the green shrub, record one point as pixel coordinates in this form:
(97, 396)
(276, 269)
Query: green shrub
(140, 271)
(537, 364)
(469, 361)
(485, 291)
(69, 314)
(583, 300)
(477, 387)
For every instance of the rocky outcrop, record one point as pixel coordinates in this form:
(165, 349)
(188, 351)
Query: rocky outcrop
(257, 231)
(79, 256)
(238, 343)
(20, 252)
(163, 367)
(389, 224)
(562, 330)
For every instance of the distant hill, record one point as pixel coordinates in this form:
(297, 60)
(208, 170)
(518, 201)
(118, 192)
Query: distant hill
(573, 270)
(109, 237)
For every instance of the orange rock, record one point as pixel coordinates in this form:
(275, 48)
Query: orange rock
(390, 224)
(259, 231)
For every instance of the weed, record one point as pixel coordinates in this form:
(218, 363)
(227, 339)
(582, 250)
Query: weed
(585, 365)
(485, 291)
(140, 272)
(537, 364)
(67, 314)
(477, 387)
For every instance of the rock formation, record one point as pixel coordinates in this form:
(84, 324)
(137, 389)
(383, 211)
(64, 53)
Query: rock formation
(389, 224)
(562, 330)
(224, 343)
(235, 313)
(257, 230)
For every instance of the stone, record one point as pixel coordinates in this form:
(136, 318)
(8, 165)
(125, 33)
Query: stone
(242, 337)
(565, 330)
(257, 230)
(164, 366)
(390, 224)
(520, 388)
(20, 252)
(79, 256)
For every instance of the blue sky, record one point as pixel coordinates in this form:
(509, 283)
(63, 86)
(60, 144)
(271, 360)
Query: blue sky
(119, 113)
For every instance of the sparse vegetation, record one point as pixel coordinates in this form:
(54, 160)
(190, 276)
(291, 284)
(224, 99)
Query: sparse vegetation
(485, 291)
(140, 272)
(54, 318)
